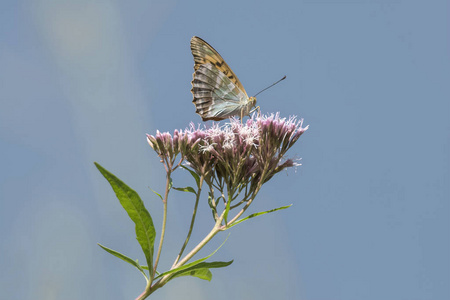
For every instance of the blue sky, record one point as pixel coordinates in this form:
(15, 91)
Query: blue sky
(84, 81)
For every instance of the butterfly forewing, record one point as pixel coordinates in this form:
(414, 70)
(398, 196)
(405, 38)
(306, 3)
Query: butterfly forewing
(204, 53)
(218, 93)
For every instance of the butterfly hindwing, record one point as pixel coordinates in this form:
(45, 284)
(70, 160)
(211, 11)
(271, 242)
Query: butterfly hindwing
(208, 77)
(216, 97)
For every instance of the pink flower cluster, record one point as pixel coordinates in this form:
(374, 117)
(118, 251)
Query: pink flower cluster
(233, 155)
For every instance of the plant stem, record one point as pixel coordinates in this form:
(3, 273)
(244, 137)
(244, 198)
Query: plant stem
(261, 182)
(191, 227)
(216, 229)
(146, 292)
(163, 229)
(200, 245)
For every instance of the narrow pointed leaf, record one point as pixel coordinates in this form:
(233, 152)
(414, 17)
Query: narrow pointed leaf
(210, 203)
(157, 194)
(201, 267)
(204, 274)
(227, 210)
(186, 189)
(125, 258)
(195, 175)
(258, 214)
(192, 264)
(132, 203)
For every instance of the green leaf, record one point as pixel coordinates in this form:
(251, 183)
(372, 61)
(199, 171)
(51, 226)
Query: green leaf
(186, 189)
(195, 175)
(157, 194)
(210, 203)
(202, 268)
(190, 266)
(204, 274)
(132, 203)
(227, 210)
(125, 258)
(258, 214)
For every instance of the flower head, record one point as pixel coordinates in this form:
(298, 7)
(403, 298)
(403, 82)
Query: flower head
(235, 155)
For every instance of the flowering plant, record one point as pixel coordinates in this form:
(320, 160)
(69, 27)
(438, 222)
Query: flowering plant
(233, 160)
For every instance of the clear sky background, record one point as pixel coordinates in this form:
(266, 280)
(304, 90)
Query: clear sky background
(84, 81)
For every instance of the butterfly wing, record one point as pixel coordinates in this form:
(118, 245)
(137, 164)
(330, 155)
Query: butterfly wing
(204, 53)
(216, 97)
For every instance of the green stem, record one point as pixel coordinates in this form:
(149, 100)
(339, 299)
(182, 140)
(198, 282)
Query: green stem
(200, 245)
(146, 292)
(191, 227)
(216, 229)
(163, 229)
(239, 204)
(260, 183)
(213, 201)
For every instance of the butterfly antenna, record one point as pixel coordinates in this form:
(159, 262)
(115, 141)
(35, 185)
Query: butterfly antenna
(270, 86)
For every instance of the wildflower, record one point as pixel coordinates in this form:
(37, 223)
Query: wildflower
(236, 157)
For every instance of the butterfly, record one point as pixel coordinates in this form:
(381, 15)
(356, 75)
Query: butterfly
(218, 93)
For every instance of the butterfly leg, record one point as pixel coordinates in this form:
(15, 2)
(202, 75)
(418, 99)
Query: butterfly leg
(258, 109)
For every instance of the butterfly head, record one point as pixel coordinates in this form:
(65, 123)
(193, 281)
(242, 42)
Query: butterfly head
(252, 101)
